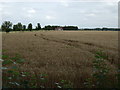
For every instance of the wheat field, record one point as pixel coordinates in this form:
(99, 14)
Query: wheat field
(62, 55)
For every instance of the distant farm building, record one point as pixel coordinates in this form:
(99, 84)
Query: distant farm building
(59, 28)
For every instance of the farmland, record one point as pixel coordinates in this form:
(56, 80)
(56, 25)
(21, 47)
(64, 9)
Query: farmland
(62, 55)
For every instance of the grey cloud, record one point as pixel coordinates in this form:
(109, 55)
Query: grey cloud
(83, 14)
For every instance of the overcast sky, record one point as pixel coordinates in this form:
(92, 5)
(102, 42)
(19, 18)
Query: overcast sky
(63, 12)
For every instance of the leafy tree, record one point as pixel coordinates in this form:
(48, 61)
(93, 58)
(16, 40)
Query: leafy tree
(30, 26)
(64, 27)
(24, 27)
(38, 26)
(6, 26)
(48, 27)
(70, 28)
(15, 28)
(20, 27)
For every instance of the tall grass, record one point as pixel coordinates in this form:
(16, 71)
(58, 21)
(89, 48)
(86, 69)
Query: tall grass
(100, 76)
(13, 77)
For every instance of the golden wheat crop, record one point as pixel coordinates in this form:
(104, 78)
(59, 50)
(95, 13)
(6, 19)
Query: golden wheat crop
(62, 55)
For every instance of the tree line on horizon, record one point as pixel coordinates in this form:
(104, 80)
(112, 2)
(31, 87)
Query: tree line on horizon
(7, 26)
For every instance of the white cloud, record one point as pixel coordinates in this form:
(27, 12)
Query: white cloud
(1, 9)
(82, 11)
(85, 19)
(110, 0)
(49, 17)
(28, 12)
(91, 15)
(29, 15)
(31, 11)
(110, 3)
(6, 13)
(64, 3)
(33, 0)
(59, 0)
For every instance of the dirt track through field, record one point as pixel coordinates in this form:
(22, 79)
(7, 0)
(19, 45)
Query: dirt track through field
(73, 43)
(76, 44)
